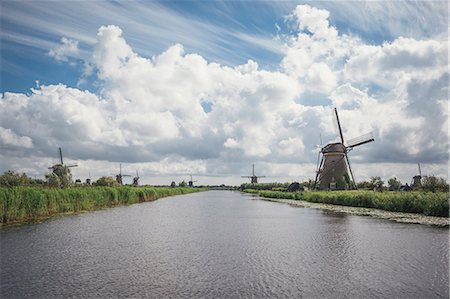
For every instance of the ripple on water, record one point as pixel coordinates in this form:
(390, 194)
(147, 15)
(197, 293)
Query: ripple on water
(223, 245)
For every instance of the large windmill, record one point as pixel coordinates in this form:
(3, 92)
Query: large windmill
(334, 170)
(253, 177)
(191, 182)
(120, 175)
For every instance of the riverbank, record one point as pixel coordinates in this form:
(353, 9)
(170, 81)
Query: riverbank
(404, 217)
(30, 204)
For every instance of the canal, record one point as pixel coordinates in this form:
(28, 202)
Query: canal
(223, 244)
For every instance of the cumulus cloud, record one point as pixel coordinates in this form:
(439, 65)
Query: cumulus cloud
(9, 138)
(151, 110)
(66, 49)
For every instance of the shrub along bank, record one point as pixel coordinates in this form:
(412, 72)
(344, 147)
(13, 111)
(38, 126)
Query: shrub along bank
(23, 204)
(427, 203)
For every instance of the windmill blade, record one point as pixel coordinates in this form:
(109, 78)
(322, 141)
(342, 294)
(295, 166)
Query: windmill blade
(73, 165)
(318, 159)
(339, 125)
(366, 138)
(246, 176)
(261, 176)
(351, 172)
(420, 172)
(60, 156)
(317, 173)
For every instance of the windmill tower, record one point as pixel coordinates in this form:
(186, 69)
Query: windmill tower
(136, 179)
(191, 182)
(120, 175)
(416, 180)
(334, 170)
(253, 177)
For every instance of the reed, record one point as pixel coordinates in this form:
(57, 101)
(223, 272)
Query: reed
(427, 203)
(30, 203)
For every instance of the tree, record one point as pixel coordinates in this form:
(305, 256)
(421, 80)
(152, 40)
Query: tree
(10, 178)
(376, 183)
(394, 184)
(364, 185)
(53, 180)
(106, 181)
(182, 184)
(173, 184)
(434, 184)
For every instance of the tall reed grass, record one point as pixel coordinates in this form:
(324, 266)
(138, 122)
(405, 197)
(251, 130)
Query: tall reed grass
(22, 204)
(427, 203)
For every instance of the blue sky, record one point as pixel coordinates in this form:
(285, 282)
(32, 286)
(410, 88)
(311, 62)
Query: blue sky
(219, 31)
(210, 87)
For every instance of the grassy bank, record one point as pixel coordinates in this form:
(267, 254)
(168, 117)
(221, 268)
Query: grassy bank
(427, 203)
(24, 204)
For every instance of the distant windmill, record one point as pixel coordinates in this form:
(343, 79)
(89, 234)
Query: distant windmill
(61, 164)
(136, 179)
(88, 180)
(61, 175)
(253, 177)
(191, 182)
(120, 176)
(334, 170)
(416, 180)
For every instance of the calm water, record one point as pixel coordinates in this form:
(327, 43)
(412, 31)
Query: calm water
(223, 244)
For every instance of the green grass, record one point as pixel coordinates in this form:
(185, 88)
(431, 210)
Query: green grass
(427, 203)
(24, 204)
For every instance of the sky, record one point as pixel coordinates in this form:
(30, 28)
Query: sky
(208, 88)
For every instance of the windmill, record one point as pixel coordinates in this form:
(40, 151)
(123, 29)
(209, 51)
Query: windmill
(61, 164)
(136, 179)
(416, 180)
(253, 177)
(120, 175)
(191, 182)
(334, 170)
(61, 175)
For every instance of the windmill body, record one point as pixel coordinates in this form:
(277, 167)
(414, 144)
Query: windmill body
(417, 179)
(136, 179)
(334, 170)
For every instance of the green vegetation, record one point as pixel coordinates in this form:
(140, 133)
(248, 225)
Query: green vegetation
(106, 181)
(24, 203)
(265, 186)
(427, 203)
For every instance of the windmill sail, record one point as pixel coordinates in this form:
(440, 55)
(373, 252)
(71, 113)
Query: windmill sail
(366, 138)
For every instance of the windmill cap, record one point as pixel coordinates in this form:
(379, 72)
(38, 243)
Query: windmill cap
(334, 148)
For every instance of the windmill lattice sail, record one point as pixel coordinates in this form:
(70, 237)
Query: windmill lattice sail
(366, 138)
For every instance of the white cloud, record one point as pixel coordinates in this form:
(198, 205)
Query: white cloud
(150, 110)
(67, 48)
(9, 138)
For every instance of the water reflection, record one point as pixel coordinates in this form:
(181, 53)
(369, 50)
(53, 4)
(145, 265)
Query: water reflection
(223, 244)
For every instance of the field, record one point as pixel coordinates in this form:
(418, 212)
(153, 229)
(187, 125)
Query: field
(24, 204)
(427, 203)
